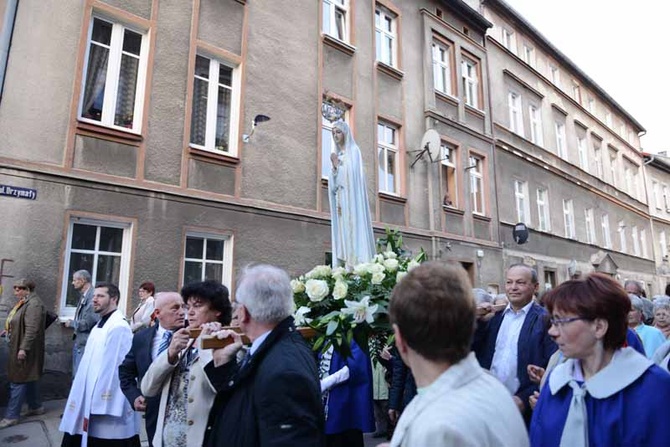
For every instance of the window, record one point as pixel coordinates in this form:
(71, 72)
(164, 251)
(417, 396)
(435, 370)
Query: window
(476, 168)
(665, 198)
(535, 125)
(555, 75)
(207, 257)
(448, 156)
(515, 114)
(590, 226)
(549, 279)
(522, 202)
(636, 241)
(613, 166)
(560, 140)
(628, 177)
(591, 105)
(544, 222)
(509, 40)
(598, 159)
(576, 92)
(664, 244)
(529, 55)
(643, 243)
(101, 248)
(608, 119)
(622, 237)
(631, 137)
(636, 183)
(605, 225)
(335, 19)
(215, 105)
(569, 218)
(327, 144)
(114, 76)
(387, 151)
(470, 82)
(385, 36)
(655, 194)
(583, 156)
(442, 68)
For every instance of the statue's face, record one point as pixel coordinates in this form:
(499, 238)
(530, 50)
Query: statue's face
(338, 136)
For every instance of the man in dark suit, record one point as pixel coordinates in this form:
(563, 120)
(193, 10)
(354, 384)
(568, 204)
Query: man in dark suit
(147, 344)
(273, 396)
(515, 337)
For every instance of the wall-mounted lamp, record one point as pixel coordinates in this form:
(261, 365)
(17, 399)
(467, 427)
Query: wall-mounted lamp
(257, 119)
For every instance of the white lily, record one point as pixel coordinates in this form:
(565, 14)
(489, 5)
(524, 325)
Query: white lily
(360, 310)
(300, 318)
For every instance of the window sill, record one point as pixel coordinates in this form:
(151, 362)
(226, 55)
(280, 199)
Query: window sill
(392, 198)
(481, 217)
(219, 158)
(475, 111)
(338, 44)
(447, 98)
(391, 71)
(97, 130)
(452, 210)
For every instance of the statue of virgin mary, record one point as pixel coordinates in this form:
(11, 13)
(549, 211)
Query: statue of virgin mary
(351, 231)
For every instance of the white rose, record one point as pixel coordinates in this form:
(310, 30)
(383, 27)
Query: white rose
(339, 272)
(340, 290)
(379, 258)
(361, 269)
(376, 268)
(390, 255)
(378, 277)
(391, 264)
(412, 264)
(319, 271)
(399, 276)
(316, 289)
(297, 286)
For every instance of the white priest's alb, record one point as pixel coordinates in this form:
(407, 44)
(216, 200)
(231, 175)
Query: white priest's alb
(96, 406)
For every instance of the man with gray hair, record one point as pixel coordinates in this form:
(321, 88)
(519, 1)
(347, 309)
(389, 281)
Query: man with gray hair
(637, 288)
(85, 317)
(651, 337)
(272, 396)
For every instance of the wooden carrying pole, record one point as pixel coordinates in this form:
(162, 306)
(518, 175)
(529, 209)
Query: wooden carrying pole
(211, 342)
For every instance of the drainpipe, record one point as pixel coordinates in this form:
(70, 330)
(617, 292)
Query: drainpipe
(6, 39)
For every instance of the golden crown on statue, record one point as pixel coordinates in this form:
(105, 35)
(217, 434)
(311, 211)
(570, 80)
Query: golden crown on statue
(333, 109)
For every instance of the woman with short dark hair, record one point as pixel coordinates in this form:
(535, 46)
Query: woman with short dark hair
(604, 394)
(142, 315)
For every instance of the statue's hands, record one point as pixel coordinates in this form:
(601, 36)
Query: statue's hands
(334, 160)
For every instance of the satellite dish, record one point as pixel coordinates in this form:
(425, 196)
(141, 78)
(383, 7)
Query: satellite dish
(430, 144)
(520, 233)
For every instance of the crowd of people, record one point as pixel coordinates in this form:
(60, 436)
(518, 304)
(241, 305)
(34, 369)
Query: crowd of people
(585, 365)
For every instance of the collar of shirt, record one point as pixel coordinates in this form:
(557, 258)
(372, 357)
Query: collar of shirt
(524, 310)
(104, 319)
(160, 331)
(258, 342)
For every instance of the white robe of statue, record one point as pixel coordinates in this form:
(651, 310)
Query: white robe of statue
(96, 406)
(351, 230)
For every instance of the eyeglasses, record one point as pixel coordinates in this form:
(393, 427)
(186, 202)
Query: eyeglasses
(19, 288)
(560, 322)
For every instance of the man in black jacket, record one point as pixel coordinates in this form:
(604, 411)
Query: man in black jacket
(272, 397)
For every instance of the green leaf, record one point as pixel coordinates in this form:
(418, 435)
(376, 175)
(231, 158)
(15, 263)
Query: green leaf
(319, 342)
(332, 325)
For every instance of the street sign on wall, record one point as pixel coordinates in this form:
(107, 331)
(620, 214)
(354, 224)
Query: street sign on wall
(20, 193)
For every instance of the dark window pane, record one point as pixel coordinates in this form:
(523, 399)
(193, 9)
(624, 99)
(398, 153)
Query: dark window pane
(202, 67)
(199, 112)
(132, 42)
(83, 237)
(222, 119)
(125, 99)
(94, 90)
(213, 271)
(109, 269)
(214, 250)
(192, 272)
(225, 75)
(194, 247)
(102, 32)
(78, 261)
(111, 239)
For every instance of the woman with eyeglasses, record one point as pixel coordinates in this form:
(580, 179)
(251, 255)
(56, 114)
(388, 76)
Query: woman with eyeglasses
(24, 330)
(142, 315)
(604, 394)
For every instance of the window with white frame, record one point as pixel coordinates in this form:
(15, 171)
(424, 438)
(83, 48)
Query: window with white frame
(637, 184)
(509, 40)
(522, 202)
(582, 152)
(561, 150)
(335, 17)
(207, 256)
(631, 137)
(536, 133)
(569, 218)
(449, 184)
(328, 144)
(623, 245)
(605, 226)
(643, 243)
(476, 169)
(598, 159)
(655, 194)
(386, 36)
(114, 76)
(470, 77)
(544, 221)
(103, 249)
(608, 119)
(515, 114)
(665, 198)
(614, 161)
(636, 241)
(628, 177)
(576, 92)
(214, 115)
(555, 75)
(529, 55)
(387, 151)
(663, 243)
(590, 226)
(591, 105)
(442, 67)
